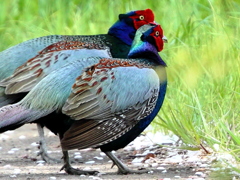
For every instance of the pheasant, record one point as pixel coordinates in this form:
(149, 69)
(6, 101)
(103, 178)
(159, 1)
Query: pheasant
(110, 99)
(57, 50)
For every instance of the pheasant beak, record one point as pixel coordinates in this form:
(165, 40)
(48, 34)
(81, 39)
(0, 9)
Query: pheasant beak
(164, 38)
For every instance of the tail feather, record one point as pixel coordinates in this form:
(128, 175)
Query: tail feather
(14, 116)
(5, 99)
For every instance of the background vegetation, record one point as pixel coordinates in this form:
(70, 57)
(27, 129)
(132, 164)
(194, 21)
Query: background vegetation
(202, 102)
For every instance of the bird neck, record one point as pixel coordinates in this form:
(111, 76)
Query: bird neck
(146, 51)
(122, 31)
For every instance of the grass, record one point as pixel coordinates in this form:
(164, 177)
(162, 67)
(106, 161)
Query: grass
(202, 102)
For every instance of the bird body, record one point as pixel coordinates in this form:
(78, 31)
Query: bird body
(100, 99)
(34, 63)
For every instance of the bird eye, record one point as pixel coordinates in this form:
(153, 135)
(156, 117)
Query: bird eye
(141, 17)
(157, 33)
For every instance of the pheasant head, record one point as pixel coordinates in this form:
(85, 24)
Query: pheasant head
(148, 41)
(127, 24)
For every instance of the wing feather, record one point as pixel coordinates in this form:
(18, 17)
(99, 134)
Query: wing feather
(52, 57)
(110, 101)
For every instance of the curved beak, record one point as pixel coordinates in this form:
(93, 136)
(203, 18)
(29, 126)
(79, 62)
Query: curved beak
(164, 38)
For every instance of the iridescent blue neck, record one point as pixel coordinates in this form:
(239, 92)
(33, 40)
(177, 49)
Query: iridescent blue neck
(145, 50)
(122, 31)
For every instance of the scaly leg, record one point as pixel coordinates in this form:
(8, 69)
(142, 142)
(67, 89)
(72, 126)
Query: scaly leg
(43, 146)
(122, 168)
(70, 170)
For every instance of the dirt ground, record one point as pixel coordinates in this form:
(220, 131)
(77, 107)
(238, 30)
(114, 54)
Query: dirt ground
(19, 160)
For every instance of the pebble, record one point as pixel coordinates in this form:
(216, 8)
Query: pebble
(148, 161)
(102, 154)
(32, 170)
(34, 144)
(101, 173)
(146, 165)
(174, 159)
(52, 178)
(78, 157)
(3, 137)
(77, 153)
(16, 171)
(177, 177)
(204, 165)
(87, 168)
(200, 174)
(0, 148)
(137, 160)
(90, 162)
(216, 147)
(138, 164)
(193, 159)
(216, 169)
(51, 133)
(195, 178)
(98, 158)
(161, 168)
(146, 152)
(9, 132)
(40, 162)
(95, 177)
(129, 148)
(155, 164)
(14, 149)
(13, 176)
(11, 152)
(22, 137)
(7, 166)
(86, 150)
(61, 172)
(164, 171)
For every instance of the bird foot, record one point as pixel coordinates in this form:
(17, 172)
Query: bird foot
(44, 155)
(126, 170)
(70, 170)
(122, 168)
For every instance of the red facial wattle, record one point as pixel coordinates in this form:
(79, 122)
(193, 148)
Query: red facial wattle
(142, 17)
(157, 34)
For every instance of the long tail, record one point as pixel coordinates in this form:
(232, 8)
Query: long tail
(14, 116)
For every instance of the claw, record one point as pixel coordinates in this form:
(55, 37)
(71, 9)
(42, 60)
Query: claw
(75, 171)
(70, 170)
(122, 168)
(113, 164)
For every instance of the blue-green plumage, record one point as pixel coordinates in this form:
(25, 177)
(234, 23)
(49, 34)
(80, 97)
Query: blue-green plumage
(128, 137)
(111, 99)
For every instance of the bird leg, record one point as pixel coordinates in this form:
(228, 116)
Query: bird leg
(70, 170)
(43, 146)
(122, 168)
